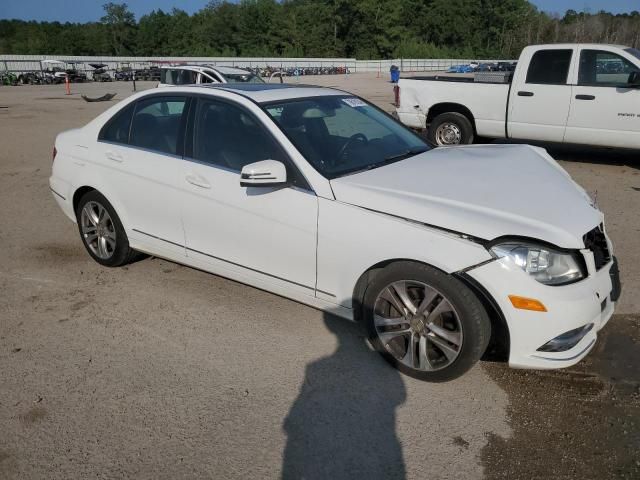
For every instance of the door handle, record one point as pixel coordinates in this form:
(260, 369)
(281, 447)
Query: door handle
(525, 94)
(116, 157)
(585, 97)
(197, 180)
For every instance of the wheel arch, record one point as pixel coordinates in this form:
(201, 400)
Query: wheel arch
(450, 107)
(78, 194)
(119, 208)
(365, 278)
(499, 343)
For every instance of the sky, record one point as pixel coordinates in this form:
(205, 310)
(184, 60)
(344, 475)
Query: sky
(91, 10)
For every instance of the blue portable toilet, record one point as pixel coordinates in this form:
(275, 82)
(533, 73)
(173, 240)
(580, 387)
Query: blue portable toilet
(395, 73)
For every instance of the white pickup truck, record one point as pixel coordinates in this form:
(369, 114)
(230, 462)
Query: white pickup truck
(568, 93)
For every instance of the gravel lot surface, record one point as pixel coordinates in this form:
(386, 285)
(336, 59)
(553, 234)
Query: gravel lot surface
(156, 370)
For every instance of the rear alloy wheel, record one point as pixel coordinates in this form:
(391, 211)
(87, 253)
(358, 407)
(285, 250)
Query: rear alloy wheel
(424, 322)
(98, 230)
(450, 128)
(102, 232)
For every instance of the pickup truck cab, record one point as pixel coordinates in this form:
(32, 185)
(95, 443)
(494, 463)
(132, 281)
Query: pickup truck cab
(567, 93)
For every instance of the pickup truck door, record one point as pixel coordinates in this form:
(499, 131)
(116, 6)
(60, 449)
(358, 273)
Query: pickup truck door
(540, 96)
(605, 110)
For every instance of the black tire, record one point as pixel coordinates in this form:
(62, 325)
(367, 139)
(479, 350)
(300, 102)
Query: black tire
(122, 253)
(458, 120)
(475, 323)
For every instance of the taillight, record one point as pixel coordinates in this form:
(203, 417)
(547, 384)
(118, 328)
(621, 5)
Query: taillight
(55, 152)
(396, 94)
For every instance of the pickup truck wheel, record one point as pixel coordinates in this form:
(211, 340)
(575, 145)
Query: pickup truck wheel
(424, 322)
(450, 128)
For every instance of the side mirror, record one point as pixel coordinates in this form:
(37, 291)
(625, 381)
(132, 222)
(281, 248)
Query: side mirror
(267, 173)
(634, 79)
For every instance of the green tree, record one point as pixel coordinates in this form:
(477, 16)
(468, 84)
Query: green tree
(121, 24)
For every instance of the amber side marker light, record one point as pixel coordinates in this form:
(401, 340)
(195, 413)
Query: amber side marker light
(524, 303)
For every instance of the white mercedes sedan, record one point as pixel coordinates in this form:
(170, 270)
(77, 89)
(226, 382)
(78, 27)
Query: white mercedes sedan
(445, 255)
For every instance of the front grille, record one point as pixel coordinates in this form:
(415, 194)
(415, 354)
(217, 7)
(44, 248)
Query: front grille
(597, 243)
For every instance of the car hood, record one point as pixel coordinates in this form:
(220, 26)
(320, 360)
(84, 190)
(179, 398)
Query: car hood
(486, 191)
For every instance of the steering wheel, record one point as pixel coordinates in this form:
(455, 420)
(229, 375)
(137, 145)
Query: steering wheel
(348, 143)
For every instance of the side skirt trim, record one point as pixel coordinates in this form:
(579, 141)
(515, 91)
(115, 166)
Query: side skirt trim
(228, 261)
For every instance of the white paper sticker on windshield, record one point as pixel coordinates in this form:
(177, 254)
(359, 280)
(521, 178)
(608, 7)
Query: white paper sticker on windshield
(354, 102)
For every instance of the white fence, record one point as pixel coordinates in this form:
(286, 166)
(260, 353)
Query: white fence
(23, 63)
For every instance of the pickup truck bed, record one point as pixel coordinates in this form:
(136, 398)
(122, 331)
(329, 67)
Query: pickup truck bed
(488, 100)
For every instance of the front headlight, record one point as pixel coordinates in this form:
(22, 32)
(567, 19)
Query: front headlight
(544, 264)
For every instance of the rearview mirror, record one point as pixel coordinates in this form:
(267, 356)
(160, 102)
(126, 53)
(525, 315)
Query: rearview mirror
(634, 79)
(267, 173)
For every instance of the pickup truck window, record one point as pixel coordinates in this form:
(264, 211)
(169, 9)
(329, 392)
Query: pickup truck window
(602, 68)
(549, 67)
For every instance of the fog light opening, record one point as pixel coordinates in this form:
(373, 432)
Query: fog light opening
(567, 340)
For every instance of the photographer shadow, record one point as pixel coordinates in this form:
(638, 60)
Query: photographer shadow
(343, 422)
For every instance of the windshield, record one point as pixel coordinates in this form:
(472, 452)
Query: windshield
(633, 51)
(340, 135)
(242, 78)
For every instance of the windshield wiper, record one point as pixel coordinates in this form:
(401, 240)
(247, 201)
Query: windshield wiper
(406, 154)
(393, 158)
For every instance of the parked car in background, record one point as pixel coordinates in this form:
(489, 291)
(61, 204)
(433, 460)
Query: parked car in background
(124, 72)
(100, 73)
(461, 69)
(149, 73)
(54, 70)
(568, 93)
(32, 78)
(74, 72)
(203, 74)
(317, 195)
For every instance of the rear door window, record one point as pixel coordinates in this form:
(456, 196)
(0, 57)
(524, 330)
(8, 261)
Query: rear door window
(158, 124)
(549, 67)
(117, 129)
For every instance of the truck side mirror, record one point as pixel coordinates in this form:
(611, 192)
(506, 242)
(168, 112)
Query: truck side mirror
(634, 79)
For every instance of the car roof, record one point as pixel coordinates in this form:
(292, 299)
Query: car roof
(260, 92)
(273, 92)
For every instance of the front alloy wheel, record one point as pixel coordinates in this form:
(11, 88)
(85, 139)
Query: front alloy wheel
(418, 325)
(425, 322)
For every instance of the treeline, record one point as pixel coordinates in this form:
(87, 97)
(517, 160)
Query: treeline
(364, 29)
